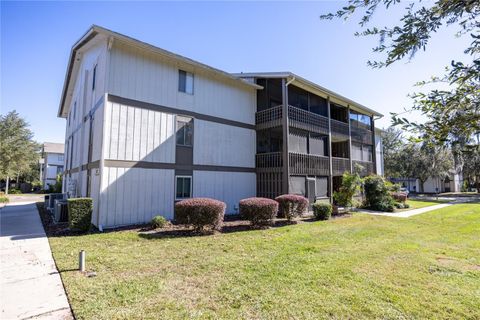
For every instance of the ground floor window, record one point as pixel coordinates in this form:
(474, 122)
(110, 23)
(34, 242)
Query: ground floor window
(183, 187)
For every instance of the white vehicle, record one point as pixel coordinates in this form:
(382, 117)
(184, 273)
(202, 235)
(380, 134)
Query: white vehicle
(404, 190)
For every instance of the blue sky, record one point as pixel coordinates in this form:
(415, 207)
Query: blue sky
(36, 38)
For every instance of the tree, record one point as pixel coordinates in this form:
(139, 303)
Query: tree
(471, 169)
(18, 151)
(393, 144)
(426, 161)
(453, 112)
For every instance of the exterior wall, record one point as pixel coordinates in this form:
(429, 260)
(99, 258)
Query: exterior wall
(85, 101)
(134, 196)
(223, 145)
(145, 76)
(138, 134)
(230, 187)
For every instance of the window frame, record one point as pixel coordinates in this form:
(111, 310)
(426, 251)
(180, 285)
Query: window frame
(191, 186)
(187, 121)
(184, 87)
(94, 77)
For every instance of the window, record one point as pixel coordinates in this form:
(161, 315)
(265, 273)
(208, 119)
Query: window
(59, 170)
(94, 77)
(184, 131)
(60, 157)
(185, 81)
(183, 187)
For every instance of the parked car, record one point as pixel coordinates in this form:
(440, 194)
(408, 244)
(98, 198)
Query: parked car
(404, 190)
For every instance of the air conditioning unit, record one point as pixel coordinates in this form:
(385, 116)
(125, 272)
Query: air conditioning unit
(61, 211)
(52, 198)
(47, 201)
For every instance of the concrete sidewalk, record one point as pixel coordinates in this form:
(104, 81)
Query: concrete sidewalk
(30, 286)
(405, 214)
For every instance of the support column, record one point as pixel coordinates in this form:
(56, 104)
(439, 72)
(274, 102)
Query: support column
(374, 148)
(286, 132)
(330, 177)
(349, 139)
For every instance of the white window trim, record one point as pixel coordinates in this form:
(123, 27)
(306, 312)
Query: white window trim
(191, 187)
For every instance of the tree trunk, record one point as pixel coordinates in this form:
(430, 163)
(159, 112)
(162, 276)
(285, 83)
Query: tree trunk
(6, 185)
(421, 185)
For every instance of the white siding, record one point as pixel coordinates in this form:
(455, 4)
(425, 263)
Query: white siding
(229, 187)
(135, 195)
(138, 134)
(145, 76)
(223, 145)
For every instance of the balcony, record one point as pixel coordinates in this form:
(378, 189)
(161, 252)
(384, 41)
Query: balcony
(305, 120)
(269, 162)
(363, 168)
(269, 118)
(298, 118)
(362, 135)
(340, 165)
(339, 129)
(300, 164)
(309, 164)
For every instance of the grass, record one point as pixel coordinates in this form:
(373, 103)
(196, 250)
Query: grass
(359, 267)
(417, 204)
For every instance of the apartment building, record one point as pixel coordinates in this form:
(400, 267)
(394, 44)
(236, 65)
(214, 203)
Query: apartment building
(51, 163)
(147, 127)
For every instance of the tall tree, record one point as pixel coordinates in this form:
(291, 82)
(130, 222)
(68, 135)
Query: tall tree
(426, 161)
(393, 146)
(452, 112)
(471, 169)
(18, 151)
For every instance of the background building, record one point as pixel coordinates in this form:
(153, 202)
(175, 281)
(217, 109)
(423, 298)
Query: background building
(51, 163)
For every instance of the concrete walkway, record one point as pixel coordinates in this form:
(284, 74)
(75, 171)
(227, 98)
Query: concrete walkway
(407, 213)
(30, 286)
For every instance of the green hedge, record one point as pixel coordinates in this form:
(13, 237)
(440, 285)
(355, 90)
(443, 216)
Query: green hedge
(322, 210)
(80, 213)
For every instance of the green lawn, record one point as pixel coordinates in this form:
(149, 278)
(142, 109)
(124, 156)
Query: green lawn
(358, 267)
(416, 204)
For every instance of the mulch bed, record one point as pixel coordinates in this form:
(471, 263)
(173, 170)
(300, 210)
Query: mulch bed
(232, 223)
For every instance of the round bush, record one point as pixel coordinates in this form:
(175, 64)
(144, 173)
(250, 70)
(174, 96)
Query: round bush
(158, 222)
(259, 211)
(399, 196)
(200, 212)
(322, 210)
(292, 205)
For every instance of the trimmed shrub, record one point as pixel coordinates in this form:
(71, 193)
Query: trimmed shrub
(259, 211)
(399, 205)
(377, 195)
(351, 183)
(158, 222)
(406, 205)
(399, 196)
(80, 213)
(14, 191)
(3, 199)
(292, 205)
(200, 212)
(322, 210)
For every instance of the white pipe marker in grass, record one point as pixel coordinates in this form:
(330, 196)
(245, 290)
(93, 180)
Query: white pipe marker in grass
(81, 261)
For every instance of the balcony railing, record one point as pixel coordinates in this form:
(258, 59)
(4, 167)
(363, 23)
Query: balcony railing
(302, 119)
(304, 164)
(361, 135)
(269, 118)
(309, 164)
(340, 165)
(339, 128)
(363, 168)
(271, 162)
